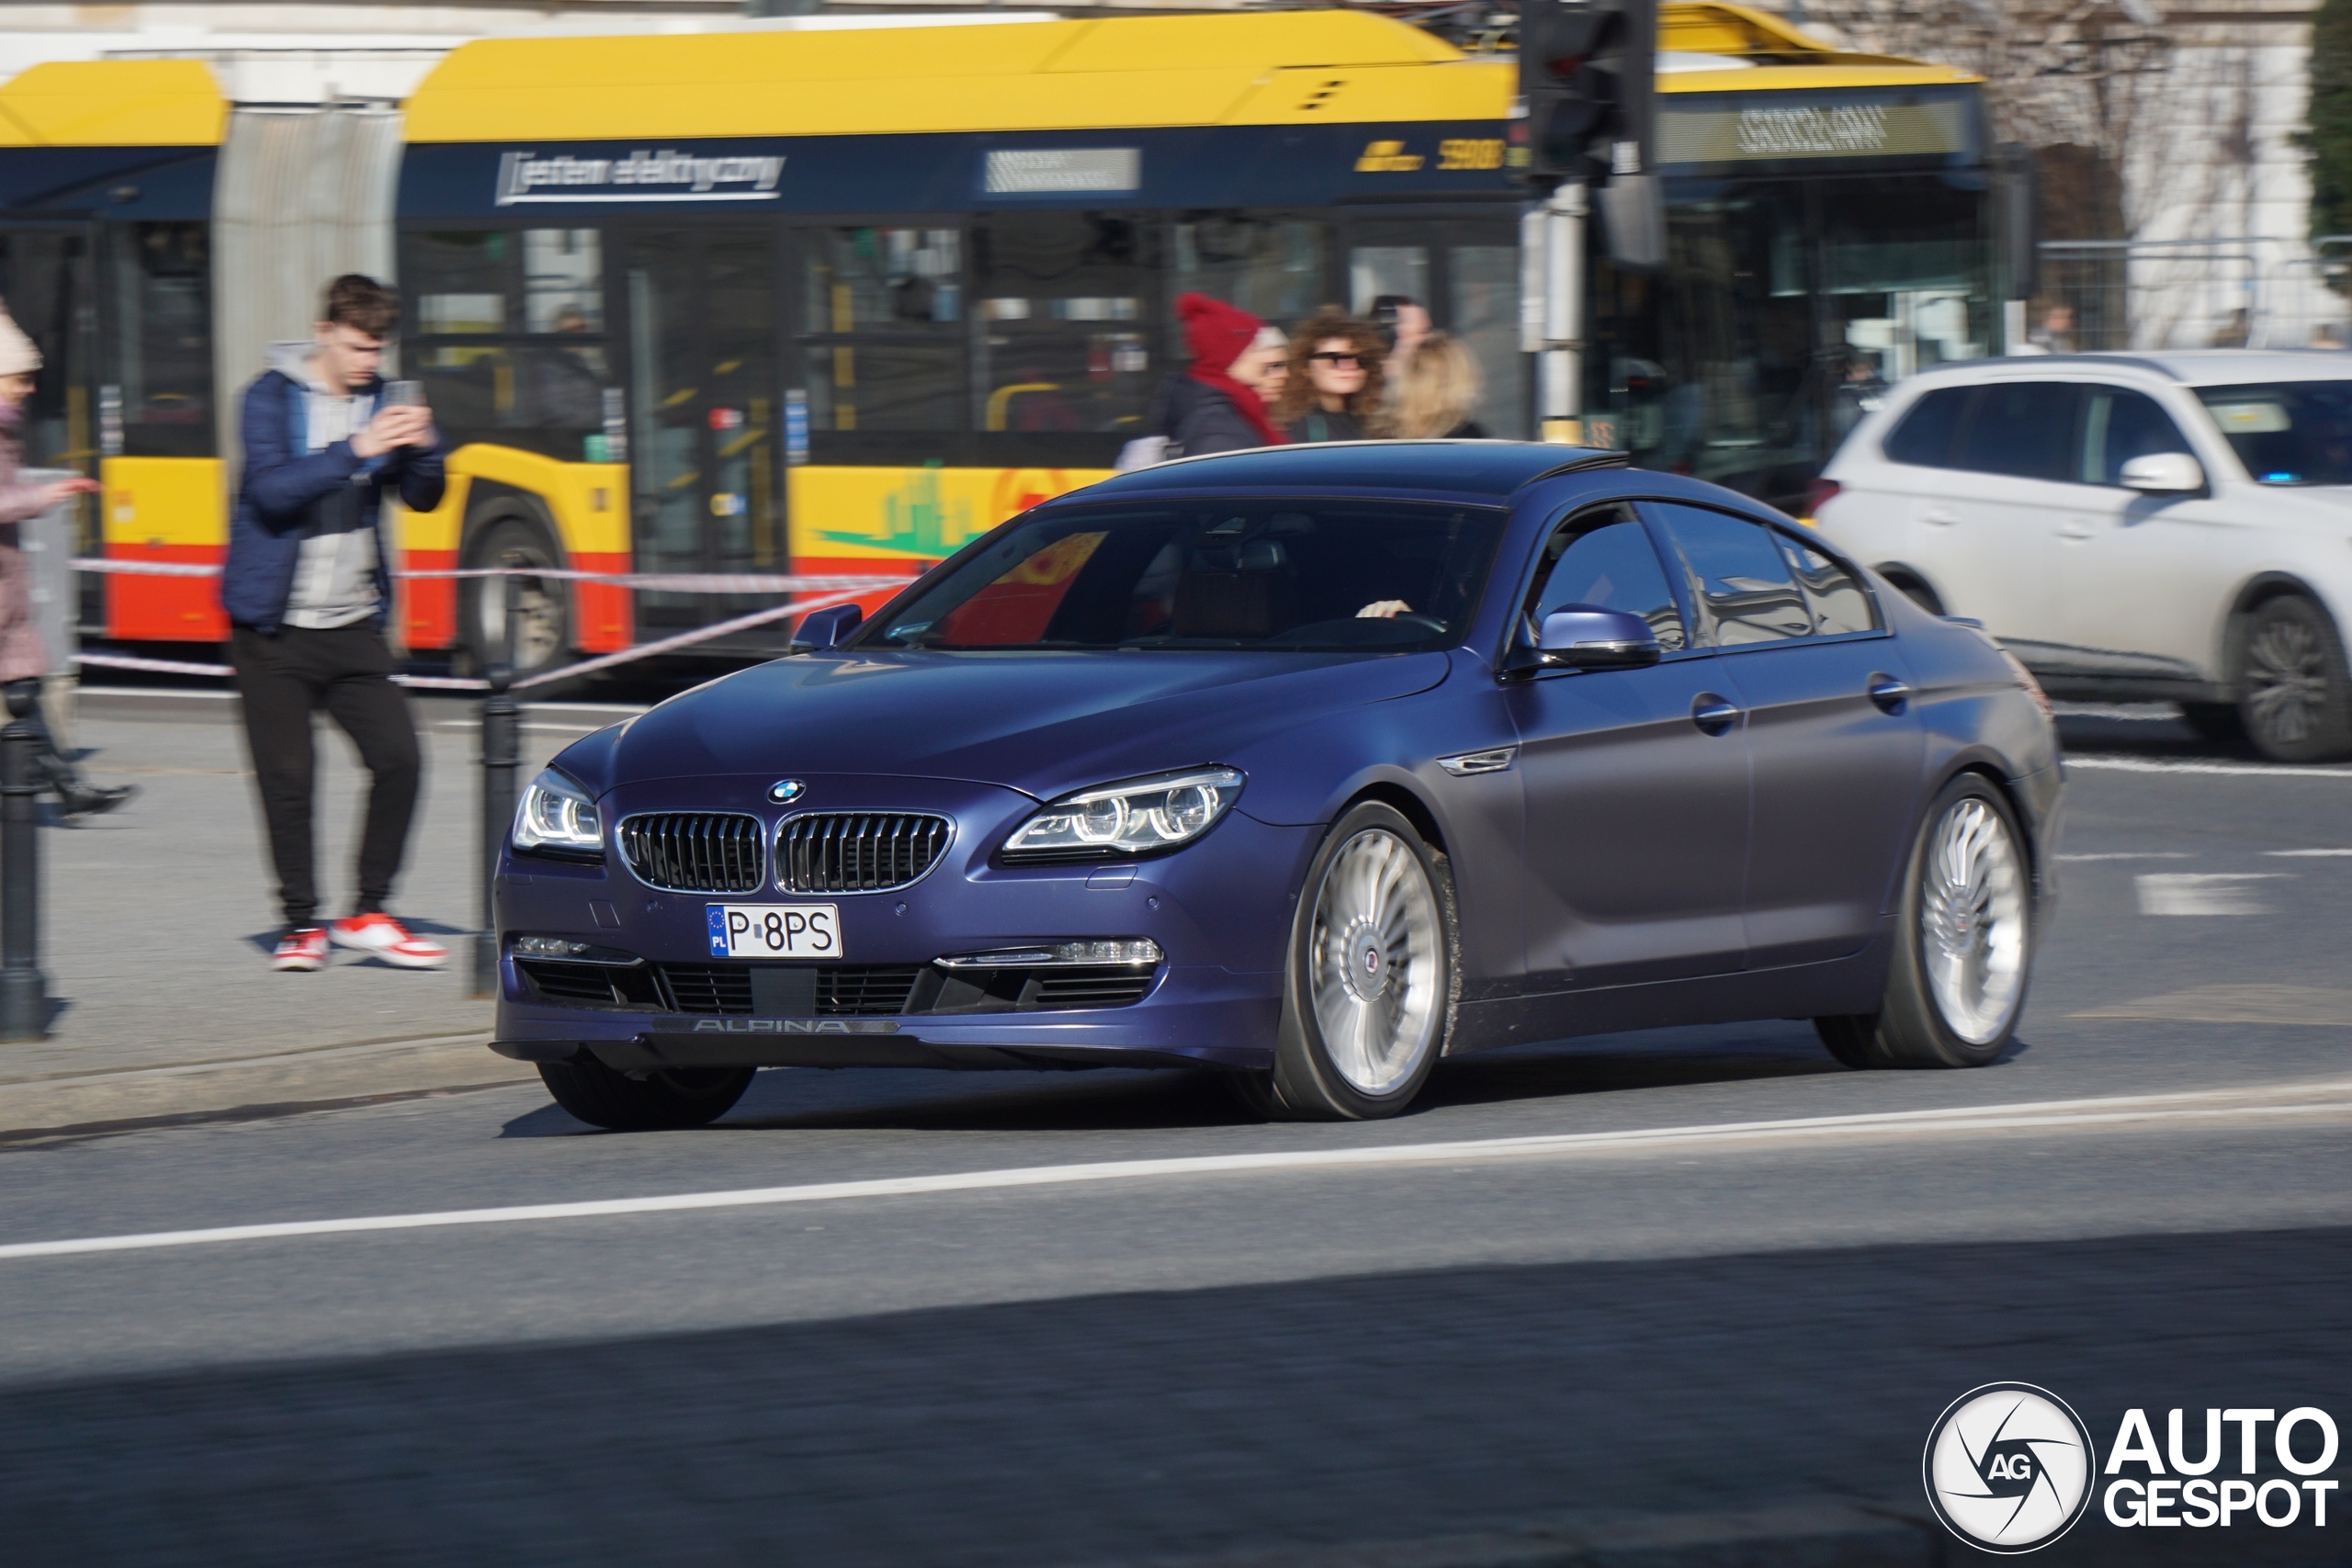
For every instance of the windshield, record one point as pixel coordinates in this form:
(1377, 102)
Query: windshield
(1308, 575)
(2288, 433)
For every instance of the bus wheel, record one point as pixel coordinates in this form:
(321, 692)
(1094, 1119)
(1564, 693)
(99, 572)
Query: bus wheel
(542, 634)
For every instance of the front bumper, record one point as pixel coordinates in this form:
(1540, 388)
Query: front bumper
(1219, 910)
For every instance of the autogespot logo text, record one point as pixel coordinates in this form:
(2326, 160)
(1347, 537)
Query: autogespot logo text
(2010, 1468)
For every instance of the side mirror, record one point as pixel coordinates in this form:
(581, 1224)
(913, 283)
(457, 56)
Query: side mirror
(2164, 473)
(1585, 636)
(826, 627)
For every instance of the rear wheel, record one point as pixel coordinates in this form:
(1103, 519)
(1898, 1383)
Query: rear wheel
(2294, 695)
(542, 629)
(1964, 943)
(680, 1097)
(1372, 986)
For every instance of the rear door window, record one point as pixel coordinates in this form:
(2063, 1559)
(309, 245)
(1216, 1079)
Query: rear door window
(2023, 429)
(1742, 582)
(1925, 437)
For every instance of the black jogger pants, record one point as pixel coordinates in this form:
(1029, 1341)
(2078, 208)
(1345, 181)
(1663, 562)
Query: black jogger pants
(285, 677)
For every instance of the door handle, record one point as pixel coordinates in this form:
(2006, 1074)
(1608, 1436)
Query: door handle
(1939, 518)
(1889, 692)
(2075, 528)
(1713, 713)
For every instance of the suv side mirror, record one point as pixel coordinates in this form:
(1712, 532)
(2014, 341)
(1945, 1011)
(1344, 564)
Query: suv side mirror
(826, 627)
(1585, 637)
(2164, 473)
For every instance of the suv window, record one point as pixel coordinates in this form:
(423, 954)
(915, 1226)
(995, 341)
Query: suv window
(1925, 437)
(2120, 425)
(2024, 429)
(1605, 558)
(1743, 582)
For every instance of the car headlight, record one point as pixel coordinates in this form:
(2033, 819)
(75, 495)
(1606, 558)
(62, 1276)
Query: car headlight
(556, 818)
(1136, 817)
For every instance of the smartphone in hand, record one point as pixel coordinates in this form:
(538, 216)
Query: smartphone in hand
(403, 394)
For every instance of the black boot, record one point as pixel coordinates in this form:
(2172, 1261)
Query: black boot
(77, 796)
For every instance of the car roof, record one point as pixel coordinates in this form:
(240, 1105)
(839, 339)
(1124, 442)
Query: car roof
(2188, 366)
(1460, 468)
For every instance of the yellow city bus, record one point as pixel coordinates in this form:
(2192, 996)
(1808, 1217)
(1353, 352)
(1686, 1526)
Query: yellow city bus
(833, 300)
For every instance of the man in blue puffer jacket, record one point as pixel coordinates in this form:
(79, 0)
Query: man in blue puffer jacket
(308, 589)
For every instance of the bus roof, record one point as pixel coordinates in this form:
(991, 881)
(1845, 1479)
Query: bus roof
(113, 103)
(1261, 68)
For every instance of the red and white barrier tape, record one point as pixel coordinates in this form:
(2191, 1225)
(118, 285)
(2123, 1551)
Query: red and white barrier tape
(651, 581)
(471, 683)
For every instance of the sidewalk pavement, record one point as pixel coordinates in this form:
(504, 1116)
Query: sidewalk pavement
(158, 919)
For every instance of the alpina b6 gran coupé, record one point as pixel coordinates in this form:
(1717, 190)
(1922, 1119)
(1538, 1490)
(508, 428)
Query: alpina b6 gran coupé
(1312, 765)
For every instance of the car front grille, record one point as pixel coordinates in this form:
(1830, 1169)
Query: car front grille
(1105, 988)
(844, 990)
(695, 852)
(857, 851)
(591, 985)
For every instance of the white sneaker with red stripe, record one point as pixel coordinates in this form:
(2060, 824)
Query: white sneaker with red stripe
(379, 933)
(300, 951)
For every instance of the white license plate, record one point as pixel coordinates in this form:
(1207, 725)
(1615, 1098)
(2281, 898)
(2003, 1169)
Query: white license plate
(775, 930)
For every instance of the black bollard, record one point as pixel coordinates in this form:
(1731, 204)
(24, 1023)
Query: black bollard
(24, 990)
(501, 750)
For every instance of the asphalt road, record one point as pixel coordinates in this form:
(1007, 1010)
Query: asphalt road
(1764, 1303)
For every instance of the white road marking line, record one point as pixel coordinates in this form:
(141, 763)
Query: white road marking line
(2294, 854)
(2151, 854)
(2147, 765)
(2205, 892)
(2022, 1116)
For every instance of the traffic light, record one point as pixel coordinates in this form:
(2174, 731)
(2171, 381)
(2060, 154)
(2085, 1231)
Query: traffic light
(1586, 74)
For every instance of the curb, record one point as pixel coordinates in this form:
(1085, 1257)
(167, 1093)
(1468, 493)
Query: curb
(253, 1088)
(1813, 1535)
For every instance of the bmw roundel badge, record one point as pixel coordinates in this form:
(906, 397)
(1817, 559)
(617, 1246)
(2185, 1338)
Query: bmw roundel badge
(785, 791)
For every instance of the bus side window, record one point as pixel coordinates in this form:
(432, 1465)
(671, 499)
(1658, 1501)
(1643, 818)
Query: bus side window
(1062, 335)
(881, 313)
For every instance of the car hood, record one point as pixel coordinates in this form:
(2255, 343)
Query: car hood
(1043, 723)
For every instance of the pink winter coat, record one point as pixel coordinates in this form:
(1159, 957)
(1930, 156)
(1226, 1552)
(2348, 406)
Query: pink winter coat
(22, 656)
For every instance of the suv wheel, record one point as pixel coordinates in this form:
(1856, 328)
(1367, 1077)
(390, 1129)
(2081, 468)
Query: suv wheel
(2294, 696)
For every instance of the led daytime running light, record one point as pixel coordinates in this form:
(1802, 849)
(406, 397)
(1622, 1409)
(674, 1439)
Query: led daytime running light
(1134, 818)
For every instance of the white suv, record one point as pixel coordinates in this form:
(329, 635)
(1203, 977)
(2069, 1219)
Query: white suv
(2169, 527)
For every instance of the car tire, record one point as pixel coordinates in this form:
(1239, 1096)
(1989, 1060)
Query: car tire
(2294, 695)
(545, 607)
(682, 1097)
(2221, 722)
(1359, 1039)
(1963, 950)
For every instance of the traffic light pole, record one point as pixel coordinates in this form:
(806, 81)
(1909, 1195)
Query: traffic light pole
(1565, 212)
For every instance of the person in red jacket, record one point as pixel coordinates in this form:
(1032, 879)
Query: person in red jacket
(1215, 404)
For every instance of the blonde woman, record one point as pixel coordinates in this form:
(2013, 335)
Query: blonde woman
(1435, 393)
(1333, 390)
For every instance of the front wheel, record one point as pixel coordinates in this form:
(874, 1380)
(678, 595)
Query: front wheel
(1373, 977)
(1964, 942)
(680, 1097)
(2296, 699)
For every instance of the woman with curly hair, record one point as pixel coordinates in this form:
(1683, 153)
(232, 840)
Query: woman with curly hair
(1333, 392)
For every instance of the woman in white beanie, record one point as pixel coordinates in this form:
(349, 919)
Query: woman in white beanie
(22, 656)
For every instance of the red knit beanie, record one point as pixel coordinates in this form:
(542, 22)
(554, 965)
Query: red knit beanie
(1216, 332)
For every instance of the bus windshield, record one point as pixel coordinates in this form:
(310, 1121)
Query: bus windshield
(1341, 576)
(2288, 433)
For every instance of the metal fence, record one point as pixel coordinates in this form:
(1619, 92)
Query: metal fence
(2241, 291)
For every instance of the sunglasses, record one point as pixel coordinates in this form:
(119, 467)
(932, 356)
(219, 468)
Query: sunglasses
(1338, 359)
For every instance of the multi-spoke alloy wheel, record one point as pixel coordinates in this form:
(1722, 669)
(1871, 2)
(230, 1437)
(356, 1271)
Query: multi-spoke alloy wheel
(1371, 993)
(1971, 922)
(2294, 699)
(1372, 958)
(1963, 943)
